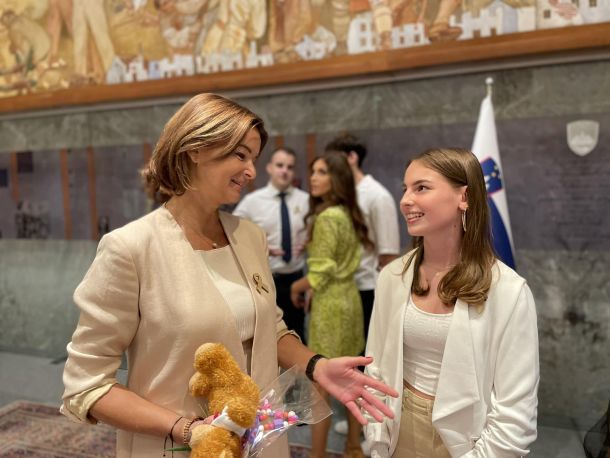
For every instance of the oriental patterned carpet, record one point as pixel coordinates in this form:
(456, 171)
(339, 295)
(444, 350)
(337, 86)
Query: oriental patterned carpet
(36, 431)
(40, 431)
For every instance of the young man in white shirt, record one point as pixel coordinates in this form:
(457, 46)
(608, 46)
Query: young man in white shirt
(271, 208)
(381, 217)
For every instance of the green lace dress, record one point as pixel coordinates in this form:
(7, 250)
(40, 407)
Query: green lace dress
(336, 321)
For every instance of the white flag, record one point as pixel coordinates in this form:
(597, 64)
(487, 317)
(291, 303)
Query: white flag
(485, 148)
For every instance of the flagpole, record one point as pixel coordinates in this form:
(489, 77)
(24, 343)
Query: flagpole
(489, 82)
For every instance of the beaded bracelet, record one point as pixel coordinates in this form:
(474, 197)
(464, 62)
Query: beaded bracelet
(186, 431)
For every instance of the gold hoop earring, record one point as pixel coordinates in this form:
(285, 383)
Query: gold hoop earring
(464, 220)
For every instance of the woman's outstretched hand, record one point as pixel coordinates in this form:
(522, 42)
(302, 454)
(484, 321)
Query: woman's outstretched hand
(341, 378)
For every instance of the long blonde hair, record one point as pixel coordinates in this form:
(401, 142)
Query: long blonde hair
(470, 279)
(205, 121)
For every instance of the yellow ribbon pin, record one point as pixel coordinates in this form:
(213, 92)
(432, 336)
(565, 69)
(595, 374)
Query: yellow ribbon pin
(258, 281)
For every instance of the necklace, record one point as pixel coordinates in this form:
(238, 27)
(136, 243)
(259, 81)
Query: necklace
(437, 272)
(202, 237)
(190, 232)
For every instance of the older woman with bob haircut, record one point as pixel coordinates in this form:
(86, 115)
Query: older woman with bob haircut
(453, 328)
(183, 275)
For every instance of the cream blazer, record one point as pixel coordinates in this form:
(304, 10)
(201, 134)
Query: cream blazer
(149, 294)
(486, 400)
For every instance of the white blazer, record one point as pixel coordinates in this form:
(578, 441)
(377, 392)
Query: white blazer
(486, 400)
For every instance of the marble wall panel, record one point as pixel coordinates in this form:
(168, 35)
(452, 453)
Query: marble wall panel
(120, 127)
(44, 132)
(320, 111)
(572, 293)
(37, 280)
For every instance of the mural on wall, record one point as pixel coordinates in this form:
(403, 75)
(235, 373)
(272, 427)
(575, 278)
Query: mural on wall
(55, 44)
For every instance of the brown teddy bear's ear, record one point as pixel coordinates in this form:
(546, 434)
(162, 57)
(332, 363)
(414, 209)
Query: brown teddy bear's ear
(199, 385)
(210, 356)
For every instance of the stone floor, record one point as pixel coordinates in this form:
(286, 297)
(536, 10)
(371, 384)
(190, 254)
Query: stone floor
(39, 380)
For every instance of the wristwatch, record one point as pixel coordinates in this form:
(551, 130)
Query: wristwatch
(311, 365)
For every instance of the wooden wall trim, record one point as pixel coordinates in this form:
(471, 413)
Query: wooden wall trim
(13, 178)
(65, 189)
(526, 44)
(310, 147)
(92, 188)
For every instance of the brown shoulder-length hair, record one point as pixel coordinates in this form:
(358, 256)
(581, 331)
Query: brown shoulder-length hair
(470, 279)
(342, 192)
(206, 121)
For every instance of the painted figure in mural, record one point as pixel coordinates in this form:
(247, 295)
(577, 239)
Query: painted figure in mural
(236, 22)
(136, 35)
(29, 42)
(383, 22)
(28, 48)
(440, 29)
(181, 22)
(58, 15)
(93, 47)
(289, 22)
(183, 275)
(341, 17)
(448, 320)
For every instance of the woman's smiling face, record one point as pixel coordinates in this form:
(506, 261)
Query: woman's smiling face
(430, 204)
(221, 180)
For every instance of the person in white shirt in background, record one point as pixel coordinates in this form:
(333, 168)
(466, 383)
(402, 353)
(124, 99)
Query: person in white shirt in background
(381, 217)
(286, 250)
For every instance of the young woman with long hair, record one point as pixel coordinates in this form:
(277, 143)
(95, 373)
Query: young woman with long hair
(453, 328)
(336, 230)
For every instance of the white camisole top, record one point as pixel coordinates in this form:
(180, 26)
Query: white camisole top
(425, 335)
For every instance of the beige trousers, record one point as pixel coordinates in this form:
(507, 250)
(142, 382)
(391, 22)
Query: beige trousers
(418, 438)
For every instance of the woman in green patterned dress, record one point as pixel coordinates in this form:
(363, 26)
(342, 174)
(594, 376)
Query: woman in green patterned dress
(336, 231)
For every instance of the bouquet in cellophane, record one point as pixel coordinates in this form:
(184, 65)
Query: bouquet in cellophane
(241, 420)
(291, 399)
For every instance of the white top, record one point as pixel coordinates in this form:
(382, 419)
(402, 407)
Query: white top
(263, 208)
(425, 335)
(381, 217)
(229, 279)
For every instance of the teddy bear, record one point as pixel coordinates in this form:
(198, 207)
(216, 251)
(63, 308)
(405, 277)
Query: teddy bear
(231, 394)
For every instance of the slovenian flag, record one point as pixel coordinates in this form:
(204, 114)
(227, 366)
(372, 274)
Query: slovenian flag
(485, 148)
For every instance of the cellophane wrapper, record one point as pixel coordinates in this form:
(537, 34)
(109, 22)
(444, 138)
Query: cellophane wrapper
(292, 392)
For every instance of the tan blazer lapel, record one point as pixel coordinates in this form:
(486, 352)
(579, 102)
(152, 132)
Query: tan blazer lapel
(246, 244)
(256, 274)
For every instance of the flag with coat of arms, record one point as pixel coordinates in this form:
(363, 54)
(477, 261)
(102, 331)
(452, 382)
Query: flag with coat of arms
(485, 148)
